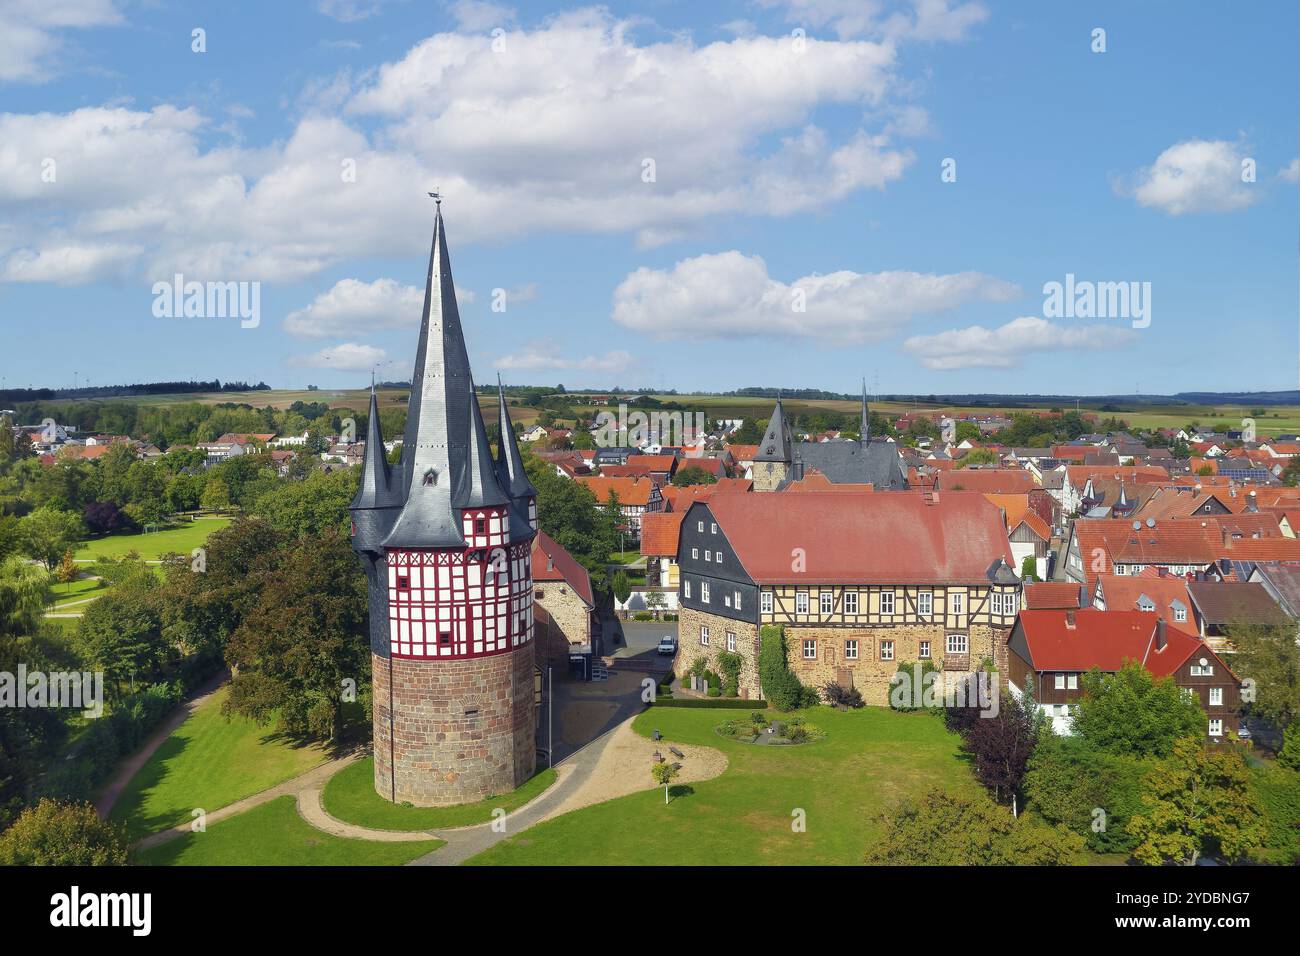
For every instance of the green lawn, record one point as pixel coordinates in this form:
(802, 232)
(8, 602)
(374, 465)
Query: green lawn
(350, 796)
(78, 590)
(208, 763)
(870, 759)
(151, 547)
(274, 835)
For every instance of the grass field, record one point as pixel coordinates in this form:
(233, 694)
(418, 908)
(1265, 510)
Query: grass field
(78, 590)
(870, 759)
(208, 763)
(350, 796)
(274, 835)
(152, 546)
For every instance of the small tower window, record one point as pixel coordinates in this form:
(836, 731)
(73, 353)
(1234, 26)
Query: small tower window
(403, 582)
(480, 525)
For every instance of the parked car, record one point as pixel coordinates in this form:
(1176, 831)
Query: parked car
(667, 645)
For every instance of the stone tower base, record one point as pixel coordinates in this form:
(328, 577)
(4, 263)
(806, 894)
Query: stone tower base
(463, 730)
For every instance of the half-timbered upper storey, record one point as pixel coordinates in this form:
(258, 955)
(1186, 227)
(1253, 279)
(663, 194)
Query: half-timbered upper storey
(851, 560)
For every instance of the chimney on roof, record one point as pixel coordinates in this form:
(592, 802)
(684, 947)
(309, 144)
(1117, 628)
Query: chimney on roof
(1070, 621)
(1161, 638)
(1252, 504)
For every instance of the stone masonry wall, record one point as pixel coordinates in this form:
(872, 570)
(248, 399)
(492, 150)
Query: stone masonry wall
(562, 618)
(689, 648)
(869, 674)
(463, 729)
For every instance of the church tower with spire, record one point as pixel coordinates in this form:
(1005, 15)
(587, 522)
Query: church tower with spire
(445, 538)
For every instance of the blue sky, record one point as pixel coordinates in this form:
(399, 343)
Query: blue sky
(796, 232)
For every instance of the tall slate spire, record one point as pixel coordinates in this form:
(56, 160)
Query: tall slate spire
(478, 481)
(435, 444)
(775, 445)
(865, 430)
(510, 464)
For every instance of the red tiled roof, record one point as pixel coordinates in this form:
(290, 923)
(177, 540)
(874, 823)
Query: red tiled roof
(743, 452)
(714, 466)
(862, 538)
(1052, 594)
(552, 563)
(1079, 474)
(1104, 640)
(660, 532)
(630, 491)
(1121, 592)
(993, 481)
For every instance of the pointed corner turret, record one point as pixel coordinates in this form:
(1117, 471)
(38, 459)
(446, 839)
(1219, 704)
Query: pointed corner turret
(510, 465)
(376, 502)
(479, 487)
(775, 446)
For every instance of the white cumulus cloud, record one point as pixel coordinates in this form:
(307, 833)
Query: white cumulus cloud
(731, 295)
(1007, 345)
(1196, 175)
(30, 33)
(347, 357)
(546, 356)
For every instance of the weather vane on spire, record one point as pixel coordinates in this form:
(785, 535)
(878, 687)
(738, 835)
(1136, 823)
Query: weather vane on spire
(437, 196)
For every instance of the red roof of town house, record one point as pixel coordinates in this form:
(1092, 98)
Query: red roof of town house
(1104, 640)
(815, 480)
(660, 532)
(85, 452)
(552, 563)
(1072, 452)
(1079, 474)
(743, 452)
(243, 438)
(990, 481)
(862, 538)
(1196, 464)
(1053, 594)
(1122, 592)
(646, 464)
(1285, 448)
(630, 491)
(714, 466)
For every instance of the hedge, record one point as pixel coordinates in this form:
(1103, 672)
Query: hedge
(734, 703)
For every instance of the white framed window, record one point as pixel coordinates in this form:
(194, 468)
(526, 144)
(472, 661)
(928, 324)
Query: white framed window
(958, 644)
(827, 602)
(801, 602)
(1216, 696)
(1180, 614)
(1202, 671)
(925, 603)
(956, 602)
(1072, 682)
(886, 602)
(704, 635)
(850, 650)
(695, 553)
(810, 650)
(850, 602)
(700, 527)
(736, 602)
(704, 591)
(686, 587)
(1060, 682)
(708, 556)
(726, 599)
(731, 641)
(765, 602)
(717, 556)
(1216, 727)
(886, 650)
(714, 527)
(924, 652)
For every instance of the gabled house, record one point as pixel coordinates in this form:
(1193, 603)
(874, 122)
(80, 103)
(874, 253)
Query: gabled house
(1053, 649)
(564, 604)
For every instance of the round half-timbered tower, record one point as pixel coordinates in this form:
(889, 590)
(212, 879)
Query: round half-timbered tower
(445, 537)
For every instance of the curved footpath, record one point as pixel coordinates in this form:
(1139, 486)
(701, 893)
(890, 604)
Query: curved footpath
(612, 765)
